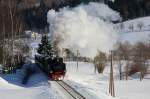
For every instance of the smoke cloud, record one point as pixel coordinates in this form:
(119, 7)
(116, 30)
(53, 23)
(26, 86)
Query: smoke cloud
(86, 28)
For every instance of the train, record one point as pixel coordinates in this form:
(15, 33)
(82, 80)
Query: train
(54, 68)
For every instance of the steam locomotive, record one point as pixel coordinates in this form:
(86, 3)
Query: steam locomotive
(54, 68)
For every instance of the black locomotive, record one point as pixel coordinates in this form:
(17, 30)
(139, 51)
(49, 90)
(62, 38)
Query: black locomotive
(54, 68)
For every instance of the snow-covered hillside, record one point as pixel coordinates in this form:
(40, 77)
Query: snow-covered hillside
(135, 30)
(143, 21)
(134, 37)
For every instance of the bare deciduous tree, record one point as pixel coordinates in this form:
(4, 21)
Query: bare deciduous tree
(100, 62)
(122, 53)
(141, 55)
(131, 27)
(140, 25)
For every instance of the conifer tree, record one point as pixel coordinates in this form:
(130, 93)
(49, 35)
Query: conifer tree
(45, 47)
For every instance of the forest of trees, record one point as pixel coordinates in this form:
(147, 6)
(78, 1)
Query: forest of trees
(29, 14)
(11, 27)
(32, 14)
(130, 9)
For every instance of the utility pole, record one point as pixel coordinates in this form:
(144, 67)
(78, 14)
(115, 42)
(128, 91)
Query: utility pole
(143, 64)
(127, 70)
(111, 80)
(120, 67)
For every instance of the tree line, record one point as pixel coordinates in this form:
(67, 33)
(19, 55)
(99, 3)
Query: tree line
(130, 9)
(130, 59)
(20, 15)
(32, 14)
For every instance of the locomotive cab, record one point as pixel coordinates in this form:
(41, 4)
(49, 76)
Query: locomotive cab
(57, 69)
(54, 68)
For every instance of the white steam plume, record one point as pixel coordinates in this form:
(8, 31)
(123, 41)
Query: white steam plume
(83, 28)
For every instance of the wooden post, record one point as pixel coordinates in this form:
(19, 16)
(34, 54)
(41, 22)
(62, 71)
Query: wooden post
(111, 80)
(143, 65)
(127, 69)
(77, 59)
(120, 69)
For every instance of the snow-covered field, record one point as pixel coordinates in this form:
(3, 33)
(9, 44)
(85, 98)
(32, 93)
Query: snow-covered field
(89, 84)
(96, 85)
(135, 37)
(37, 87)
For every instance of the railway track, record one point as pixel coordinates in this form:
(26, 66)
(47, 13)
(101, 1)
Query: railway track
(71, 91)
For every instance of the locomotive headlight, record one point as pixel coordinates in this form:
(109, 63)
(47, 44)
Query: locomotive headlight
(51, 71)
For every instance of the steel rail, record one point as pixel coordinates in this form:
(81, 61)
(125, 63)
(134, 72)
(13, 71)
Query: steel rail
(71, 91)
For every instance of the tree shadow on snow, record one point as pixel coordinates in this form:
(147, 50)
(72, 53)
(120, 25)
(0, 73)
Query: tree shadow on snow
(34, 79)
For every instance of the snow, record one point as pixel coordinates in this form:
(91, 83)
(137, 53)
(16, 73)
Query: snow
(143, 20)
(136, 34)
(133, 89)
(90, 84)
(135, 37)
(36, 88)
(59, 90)
(95, 86)
(85, 80)
(4, 84)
